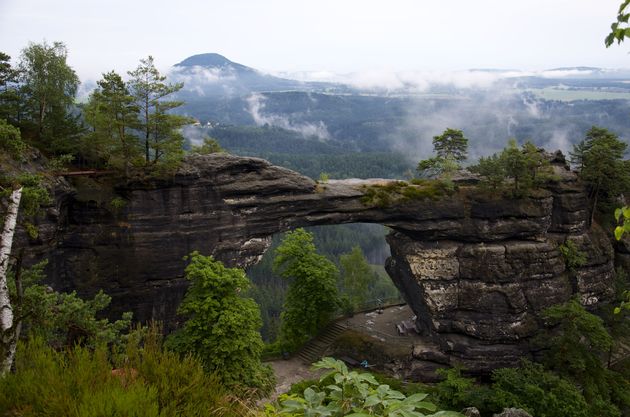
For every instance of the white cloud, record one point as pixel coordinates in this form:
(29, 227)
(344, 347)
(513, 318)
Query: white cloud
(256, 106)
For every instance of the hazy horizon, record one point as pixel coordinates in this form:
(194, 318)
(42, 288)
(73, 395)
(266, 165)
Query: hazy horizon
(281, 36)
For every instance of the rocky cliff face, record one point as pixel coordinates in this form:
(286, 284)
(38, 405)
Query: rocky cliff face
(477, 269)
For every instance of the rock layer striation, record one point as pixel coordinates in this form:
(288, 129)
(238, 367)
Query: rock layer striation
(476, 268)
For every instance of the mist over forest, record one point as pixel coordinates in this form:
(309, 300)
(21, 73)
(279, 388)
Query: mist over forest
(389, 119)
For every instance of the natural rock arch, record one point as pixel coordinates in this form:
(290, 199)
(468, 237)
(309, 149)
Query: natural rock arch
(451, 257)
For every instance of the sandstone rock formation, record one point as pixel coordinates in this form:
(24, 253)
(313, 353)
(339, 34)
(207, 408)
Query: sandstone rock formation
(476, 268)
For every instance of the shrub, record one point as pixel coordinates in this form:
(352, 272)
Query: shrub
(79, 382)
(573, 257)
(540, 392)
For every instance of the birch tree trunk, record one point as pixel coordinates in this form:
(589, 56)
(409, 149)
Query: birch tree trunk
(8, 340)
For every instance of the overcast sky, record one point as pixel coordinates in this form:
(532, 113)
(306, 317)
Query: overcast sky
(312, 35)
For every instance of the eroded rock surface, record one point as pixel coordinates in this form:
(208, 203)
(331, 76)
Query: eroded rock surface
(477, 269)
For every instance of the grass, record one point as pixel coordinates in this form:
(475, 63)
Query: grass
(402, 191)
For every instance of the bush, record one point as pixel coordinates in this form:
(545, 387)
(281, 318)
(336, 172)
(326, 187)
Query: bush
(540, 392)
(11, 140)
(400, 191)
(80, 382)
(573, 257)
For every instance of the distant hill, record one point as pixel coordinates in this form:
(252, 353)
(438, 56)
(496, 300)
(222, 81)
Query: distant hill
(212, 75)
(215, 61)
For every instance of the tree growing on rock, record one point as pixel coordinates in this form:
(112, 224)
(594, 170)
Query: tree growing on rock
(604, 171)
(451, 149)
(526, 168)
(160, 129)
(112, 113)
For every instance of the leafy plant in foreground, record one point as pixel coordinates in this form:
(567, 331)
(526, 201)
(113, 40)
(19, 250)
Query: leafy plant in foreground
(354, 394)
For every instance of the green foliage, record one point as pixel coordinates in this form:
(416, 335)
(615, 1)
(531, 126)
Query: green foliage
(48, 88)
(79, 382)
(451, 149)
(451, 144)
(9, 96)
(114, 117)
(456, 391)
(537, 391)
(312, 294)
(323, 178)
(573, 257)
(61, 319)
(163, 143)
(34, 194)
(209, 146)
(622, 216)
(356, 275)
(578, 343)
(118, 203)
(530, 387)
(269, 289)
(603, 169)
(60, 163)
(525, 167)
(400, 192)
(492, 170)
(221, 325)
(11, 140)
(619, 30)
(352, 393)
(623, 294)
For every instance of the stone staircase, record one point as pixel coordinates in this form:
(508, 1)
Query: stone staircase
(315, 348)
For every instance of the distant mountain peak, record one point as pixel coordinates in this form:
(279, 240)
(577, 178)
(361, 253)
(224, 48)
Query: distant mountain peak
(213, 60)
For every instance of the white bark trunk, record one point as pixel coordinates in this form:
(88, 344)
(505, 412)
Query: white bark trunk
(7, 330)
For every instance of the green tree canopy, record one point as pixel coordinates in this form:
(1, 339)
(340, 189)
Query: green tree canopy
(209, 146)
(221, 324)
(451, 149)
(48, 88)
(356, 275)
(578, 342)
(451, 144)
(160, 129)
(603, 169)
(526, 167)
(9, 97)
(113, 114)
(312, 295)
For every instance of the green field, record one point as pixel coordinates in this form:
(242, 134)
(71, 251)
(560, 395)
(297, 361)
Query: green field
(562, 94)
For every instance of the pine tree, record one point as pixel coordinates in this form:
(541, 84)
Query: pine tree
(160, 129)
(113, 114)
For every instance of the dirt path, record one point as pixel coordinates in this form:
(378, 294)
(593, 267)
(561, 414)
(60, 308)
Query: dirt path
(380, 326)
(289, 372)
